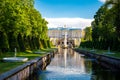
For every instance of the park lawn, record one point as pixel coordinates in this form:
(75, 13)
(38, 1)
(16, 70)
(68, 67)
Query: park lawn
(6, 66)
(103, 52)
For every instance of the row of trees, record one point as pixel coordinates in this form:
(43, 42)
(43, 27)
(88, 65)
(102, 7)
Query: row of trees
(21, 26)
(106, 27)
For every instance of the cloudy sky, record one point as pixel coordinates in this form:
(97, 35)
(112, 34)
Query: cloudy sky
(72, 13)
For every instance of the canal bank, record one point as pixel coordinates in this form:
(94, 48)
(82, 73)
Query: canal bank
(104, 60)
(27, 70)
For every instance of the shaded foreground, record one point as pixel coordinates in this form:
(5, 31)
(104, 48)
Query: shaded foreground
(69, 65)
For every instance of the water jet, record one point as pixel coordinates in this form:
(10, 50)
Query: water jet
(15, 59)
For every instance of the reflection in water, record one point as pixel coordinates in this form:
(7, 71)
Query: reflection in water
(69, 65)
(65, 57)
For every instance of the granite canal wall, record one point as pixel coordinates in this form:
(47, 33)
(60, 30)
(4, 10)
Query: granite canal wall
(104, 60)
(27, 70)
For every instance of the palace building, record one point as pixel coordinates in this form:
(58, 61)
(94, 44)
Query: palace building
(57, 36)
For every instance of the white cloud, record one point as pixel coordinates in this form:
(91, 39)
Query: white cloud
(69, 22)
(103, 1)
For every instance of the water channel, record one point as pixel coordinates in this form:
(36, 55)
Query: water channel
(70, 65)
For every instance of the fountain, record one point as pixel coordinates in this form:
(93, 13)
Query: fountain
(15, 52)
(65, 41)
(93, 50)
(15, 59)
(109, 51)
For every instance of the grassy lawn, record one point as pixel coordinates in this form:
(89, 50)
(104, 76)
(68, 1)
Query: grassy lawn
(6, 66)
(104, 52)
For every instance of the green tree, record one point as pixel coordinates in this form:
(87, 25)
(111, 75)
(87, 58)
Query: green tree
(21, 25)
(88, 33)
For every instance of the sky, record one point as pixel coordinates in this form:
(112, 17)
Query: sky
(72, 13)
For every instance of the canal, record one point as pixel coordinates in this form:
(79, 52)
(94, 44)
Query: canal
(70, 65)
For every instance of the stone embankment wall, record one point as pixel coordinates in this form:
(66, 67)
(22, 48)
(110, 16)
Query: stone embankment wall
(25, 71)
(107, 61)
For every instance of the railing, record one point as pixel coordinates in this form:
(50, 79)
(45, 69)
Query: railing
(24, 71)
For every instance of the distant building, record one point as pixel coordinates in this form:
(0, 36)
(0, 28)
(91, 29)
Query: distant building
(56, 35)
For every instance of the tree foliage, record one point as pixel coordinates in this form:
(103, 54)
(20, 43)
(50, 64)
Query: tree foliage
(106, 26)
(21, 25)
(88, 33)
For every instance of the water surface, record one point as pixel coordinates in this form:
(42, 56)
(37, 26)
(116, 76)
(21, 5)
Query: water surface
(70, 65)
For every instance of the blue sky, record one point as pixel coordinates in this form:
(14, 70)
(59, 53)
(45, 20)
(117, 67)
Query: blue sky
(69, 9)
